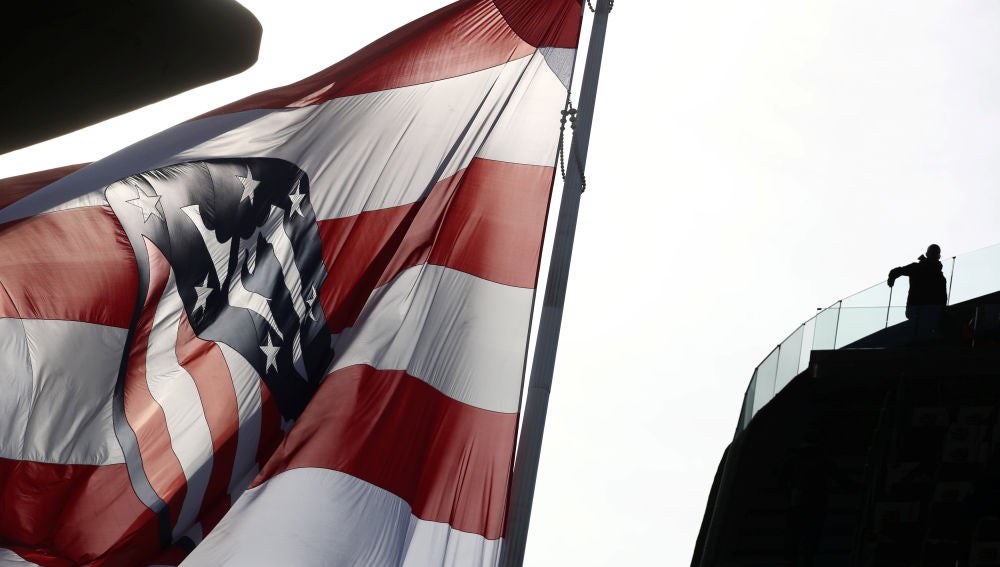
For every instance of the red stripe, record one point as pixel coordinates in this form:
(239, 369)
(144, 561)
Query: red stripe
(487, 220)
(16, 188)
(144, 414)
(271, 433)
(552, 23)
(362, 251)
(462, 38)
(494, 225)
(74, 265)
(448, 460)
(57, 515)
(207, 366)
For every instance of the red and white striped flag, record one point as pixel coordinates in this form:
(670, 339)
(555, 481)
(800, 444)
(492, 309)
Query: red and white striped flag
(291, 331)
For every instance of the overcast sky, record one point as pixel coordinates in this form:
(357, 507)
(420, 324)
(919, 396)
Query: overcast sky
(750, 162)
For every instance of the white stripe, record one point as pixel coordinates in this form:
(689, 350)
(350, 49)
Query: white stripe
(386, 148)
(10, 559)
(463, 335)
(437, 543)
(92, 199)
(57, 381)
(174, 389)
(379, 150)
(528, 130)
(314, 516)
(246, 382)
(17, 384)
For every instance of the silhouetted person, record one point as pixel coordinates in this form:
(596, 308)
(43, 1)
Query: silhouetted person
(928, 290)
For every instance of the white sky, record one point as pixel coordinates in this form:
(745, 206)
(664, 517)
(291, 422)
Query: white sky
(750, 162)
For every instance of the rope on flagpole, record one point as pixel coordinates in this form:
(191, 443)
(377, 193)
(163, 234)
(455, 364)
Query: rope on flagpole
(569, 113)
(562, 133)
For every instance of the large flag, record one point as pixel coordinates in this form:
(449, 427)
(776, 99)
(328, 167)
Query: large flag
(291, 331)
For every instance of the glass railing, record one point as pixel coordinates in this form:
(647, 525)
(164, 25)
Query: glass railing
(848, 322)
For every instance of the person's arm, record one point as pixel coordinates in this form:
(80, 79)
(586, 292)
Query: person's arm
(893, 274)
(906, 270)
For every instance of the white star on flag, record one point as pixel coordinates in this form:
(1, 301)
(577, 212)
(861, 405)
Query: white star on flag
(249, 186)
(203, 291)
(296, 199)
(309, 301)
(147, 203)
(271, 352)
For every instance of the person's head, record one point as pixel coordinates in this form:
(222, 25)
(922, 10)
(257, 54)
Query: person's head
(934, 252)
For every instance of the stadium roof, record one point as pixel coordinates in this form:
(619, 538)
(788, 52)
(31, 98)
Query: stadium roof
(71, 64)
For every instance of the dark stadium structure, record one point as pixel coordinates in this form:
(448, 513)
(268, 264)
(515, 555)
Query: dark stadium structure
(862, 442)
(69, 64)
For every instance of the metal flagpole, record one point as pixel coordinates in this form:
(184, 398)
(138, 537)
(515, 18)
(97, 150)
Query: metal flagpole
(529, 444)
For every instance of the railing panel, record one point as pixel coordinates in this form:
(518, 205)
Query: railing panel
(765, 375)
(747, 412)
(976, 274)
(859, 322)
(825, 332)
(895, 315)
(789, 354)
(874, 296)
(808, 334)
